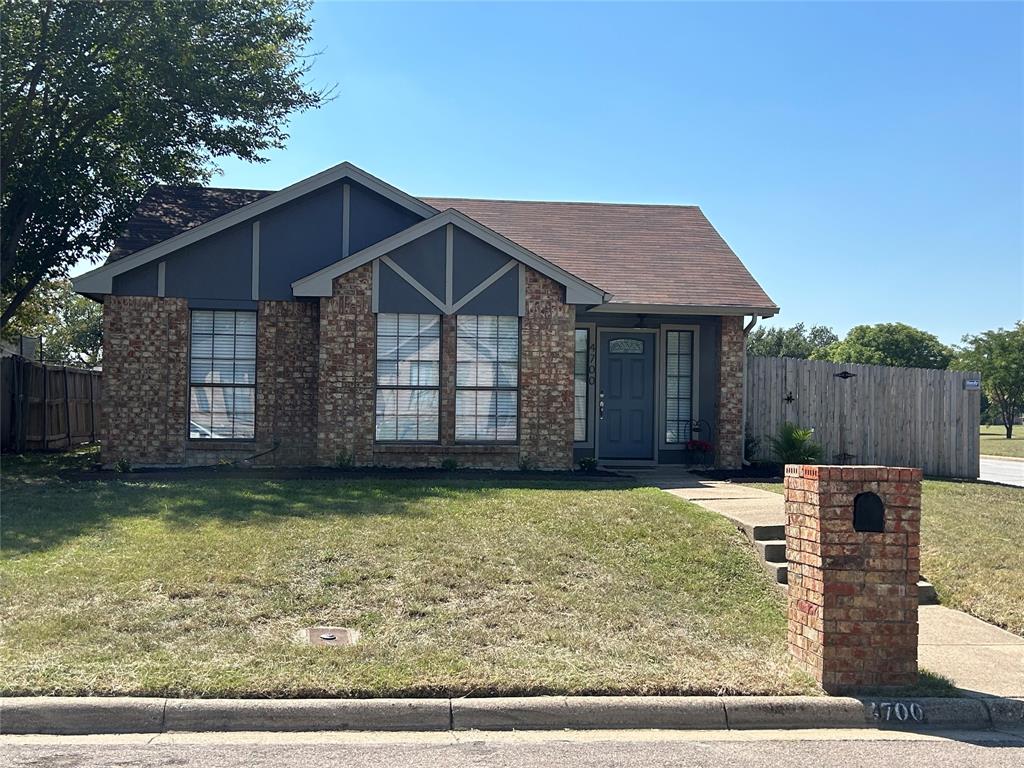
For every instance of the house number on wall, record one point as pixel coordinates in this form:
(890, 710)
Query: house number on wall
(888, 711)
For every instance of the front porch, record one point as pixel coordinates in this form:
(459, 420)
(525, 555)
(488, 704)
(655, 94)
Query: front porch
(655, 390)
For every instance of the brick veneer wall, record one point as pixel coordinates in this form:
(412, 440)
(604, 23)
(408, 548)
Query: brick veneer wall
(853, 595)
(145, 379)
(546, 390)
(346, 397)
(287, 372)
(347, 393)
(732, 351)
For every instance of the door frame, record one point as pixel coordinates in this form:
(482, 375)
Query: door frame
(656, 389)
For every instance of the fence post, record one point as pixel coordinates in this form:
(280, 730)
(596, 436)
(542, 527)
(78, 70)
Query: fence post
(92, 407)
(67, 408)
(46, 409)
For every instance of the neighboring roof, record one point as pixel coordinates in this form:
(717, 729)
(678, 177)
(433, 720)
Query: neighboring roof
(578, 291)
(649, 257)
(643, 254)
(167, 211)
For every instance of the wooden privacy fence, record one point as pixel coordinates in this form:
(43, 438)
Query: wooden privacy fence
(47, 407)
(869, 414)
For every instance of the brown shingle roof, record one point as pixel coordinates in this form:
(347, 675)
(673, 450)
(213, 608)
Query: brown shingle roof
(168, 211)
(642, 254)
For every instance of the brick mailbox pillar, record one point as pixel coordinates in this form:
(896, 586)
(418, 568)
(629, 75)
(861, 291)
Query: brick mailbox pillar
(853, 545)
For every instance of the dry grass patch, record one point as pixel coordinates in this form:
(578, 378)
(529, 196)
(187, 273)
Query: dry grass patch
(994, 442)
(502, 587)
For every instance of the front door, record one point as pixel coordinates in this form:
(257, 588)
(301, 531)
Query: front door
(625, 398)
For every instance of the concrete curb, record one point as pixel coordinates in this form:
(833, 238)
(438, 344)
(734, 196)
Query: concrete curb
(76, 716)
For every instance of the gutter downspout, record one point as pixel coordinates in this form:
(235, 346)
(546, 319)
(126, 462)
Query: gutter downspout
(743, 430)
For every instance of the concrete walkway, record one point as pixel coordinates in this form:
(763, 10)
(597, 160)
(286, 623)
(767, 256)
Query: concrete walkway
(978, 657)
(743, 505)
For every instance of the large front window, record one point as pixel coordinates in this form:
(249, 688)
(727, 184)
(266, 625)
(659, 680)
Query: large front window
(408, 378)
(487, 378)
(222, 379)
(678, 386)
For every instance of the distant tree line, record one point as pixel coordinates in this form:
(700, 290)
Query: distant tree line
(998, 355)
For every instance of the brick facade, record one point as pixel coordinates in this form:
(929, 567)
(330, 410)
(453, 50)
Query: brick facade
(346, 397)
(347, 385)
(852, 594)
(287, 372)
(732, 353)
(145, 379)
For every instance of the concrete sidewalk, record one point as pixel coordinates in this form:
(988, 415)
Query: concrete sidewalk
(978, 657)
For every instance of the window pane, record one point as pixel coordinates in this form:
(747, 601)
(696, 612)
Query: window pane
(678, 386)
(223, 351)
(581, 384)
(487, 359)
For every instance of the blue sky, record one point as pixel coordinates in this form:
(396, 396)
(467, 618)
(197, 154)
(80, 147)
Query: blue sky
(865, 161)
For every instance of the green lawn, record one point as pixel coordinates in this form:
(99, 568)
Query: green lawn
(180, 588)
(994, 442)
(972, 547)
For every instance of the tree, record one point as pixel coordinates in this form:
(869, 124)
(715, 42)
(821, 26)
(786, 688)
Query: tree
(71, 326)
(999, 357)
(889, 344)
(789, 342)
(103, 99)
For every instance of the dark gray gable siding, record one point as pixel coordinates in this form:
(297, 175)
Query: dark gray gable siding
(396, 295)
(219, 267)
(423, 258)
(138, 282)
(500, 298)
(299, 238)
(373, 218)
(473, 262)
(296, 239)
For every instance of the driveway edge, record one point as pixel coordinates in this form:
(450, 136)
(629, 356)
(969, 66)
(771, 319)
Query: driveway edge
(98, 715)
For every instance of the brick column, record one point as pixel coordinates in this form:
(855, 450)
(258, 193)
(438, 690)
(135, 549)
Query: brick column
(729, 439)
(853, 584)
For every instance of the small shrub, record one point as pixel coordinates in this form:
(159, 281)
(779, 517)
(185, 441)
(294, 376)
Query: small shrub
(588, 464)
(224, 462)
(449, 464)
(344, 460)
(122, 465)
(751, 446)
(795, 445)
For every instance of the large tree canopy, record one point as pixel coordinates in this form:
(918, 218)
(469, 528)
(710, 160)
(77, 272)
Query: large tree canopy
(795, 341)
(103, 99)
(889, 344)
(999, 357)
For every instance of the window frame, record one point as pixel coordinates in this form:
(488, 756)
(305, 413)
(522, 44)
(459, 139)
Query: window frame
(253, 386)
(377, 386)
(591, 377)
(496, 388)
(662, 374)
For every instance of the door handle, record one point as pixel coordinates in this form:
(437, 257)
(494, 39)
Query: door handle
(600, 406)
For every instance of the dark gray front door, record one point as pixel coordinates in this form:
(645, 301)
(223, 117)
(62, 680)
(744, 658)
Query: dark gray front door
(626, 396)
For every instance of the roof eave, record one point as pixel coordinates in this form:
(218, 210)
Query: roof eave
(740, 310)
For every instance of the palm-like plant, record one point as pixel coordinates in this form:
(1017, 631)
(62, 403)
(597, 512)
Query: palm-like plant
(795, 445)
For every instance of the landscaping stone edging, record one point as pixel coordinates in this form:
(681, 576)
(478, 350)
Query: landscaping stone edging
(99, 715)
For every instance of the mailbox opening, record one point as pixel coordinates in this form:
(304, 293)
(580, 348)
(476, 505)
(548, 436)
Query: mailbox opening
(868, 513)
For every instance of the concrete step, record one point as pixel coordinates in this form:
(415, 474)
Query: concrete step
(767, 532)
(777, 571)
(926, 594)
(772, 549)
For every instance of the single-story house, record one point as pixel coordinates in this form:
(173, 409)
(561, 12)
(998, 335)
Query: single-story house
(343, 321)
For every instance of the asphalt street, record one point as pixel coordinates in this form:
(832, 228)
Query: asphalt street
(1002, 471)
(566, 749)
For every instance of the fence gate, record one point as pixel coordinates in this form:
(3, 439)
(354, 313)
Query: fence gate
(869, 414)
